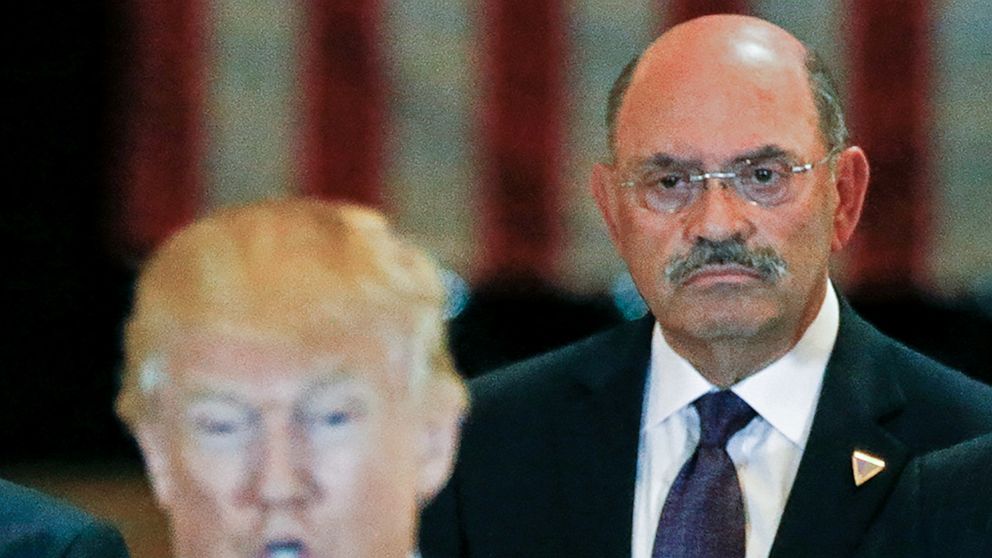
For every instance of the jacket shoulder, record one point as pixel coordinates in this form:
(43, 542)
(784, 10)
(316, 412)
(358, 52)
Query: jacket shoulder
(592, 360)
(34, 524)
(942, 406)
(942, 391)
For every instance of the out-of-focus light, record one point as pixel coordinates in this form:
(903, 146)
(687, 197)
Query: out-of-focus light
(626, 298)
(457, 292)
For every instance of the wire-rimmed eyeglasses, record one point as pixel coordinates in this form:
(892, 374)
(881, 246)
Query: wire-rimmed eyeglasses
(666, 187)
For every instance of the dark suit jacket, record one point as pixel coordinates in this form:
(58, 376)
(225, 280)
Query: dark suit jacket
(33, 525)
(549, 453)
(942, 506)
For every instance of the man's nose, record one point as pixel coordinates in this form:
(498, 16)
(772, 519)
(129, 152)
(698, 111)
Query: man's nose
(719, 213)
(282, 477)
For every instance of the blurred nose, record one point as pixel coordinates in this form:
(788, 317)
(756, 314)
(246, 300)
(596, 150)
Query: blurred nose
(718, 214)
(281, 475)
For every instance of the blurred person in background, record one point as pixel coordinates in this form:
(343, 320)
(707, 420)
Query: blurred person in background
(753, 413)
(941, 507)
(288, 381)
(33, 525)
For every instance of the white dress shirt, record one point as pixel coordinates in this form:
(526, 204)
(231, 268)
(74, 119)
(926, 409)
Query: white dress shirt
(766, 452)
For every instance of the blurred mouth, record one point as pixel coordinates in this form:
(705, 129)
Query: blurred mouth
(286, 548)
(723, 274)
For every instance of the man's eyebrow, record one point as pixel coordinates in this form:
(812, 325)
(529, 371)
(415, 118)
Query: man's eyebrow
(664, 160)
(339, 377)
(206, 395)
(667, 160)
(354, 387)
(769, 151)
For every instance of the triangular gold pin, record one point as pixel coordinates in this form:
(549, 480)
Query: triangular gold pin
(866, 466)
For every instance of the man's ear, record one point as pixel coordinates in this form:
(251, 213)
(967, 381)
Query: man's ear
(601, 183)
(852, 184)
(438, 445)
(155, 451)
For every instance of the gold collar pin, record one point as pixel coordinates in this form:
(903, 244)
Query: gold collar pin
(865, 466)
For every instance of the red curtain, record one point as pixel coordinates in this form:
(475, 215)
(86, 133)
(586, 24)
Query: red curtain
(344, 101)
(522, 132)
(157, 172)
(890, 56)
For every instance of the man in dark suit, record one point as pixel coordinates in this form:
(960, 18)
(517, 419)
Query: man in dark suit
(753, 413)
(35, 526)
(942, 506)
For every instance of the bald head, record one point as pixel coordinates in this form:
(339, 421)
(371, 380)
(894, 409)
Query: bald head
(725, 40)
(738, 61)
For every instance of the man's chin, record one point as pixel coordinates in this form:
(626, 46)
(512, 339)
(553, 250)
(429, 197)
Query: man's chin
(718, 317)
(728, 330)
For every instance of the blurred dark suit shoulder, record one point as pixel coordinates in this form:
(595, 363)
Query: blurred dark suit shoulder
(33, 525)
(941, 507)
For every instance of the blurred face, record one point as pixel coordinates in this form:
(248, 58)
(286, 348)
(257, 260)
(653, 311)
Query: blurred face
(706, 105)
(264, 452)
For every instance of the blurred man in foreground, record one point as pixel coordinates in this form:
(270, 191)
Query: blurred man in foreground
(288, 381)
(753, 413)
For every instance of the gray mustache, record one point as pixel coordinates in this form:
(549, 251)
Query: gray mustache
(763, 261)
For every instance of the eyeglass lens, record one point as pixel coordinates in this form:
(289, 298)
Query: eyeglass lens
(765, 182)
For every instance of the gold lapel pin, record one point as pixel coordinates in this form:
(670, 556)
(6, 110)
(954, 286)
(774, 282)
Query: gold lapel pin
(866, 466)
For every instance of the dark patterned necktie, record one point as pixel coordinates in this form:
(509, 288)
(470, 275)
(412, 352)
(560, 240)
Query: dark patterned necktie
(703, 515)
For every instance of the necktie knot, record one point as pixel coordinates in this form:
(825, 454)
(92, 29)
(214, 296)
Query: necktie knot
(721, 415)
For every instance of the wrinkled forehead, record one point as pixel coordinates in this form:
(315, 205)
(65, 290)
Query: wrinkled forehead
(712, 93)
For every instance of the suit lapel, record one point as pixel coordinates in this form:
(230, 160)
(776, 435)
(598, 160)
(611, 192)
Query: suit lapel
(599, 434)
(826, 514)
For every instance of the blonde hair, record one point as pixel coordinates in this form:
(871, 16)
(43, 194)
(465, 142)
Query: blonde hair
(294, 270)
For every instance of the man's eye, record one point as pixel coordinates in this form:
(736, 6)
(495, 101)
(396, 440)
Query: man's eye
(219, 427)
(670, 181)
(334, 418)
(764, 175)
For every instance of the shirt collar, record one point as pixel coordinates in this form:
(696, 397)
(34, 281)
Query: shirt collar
(784, 393)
